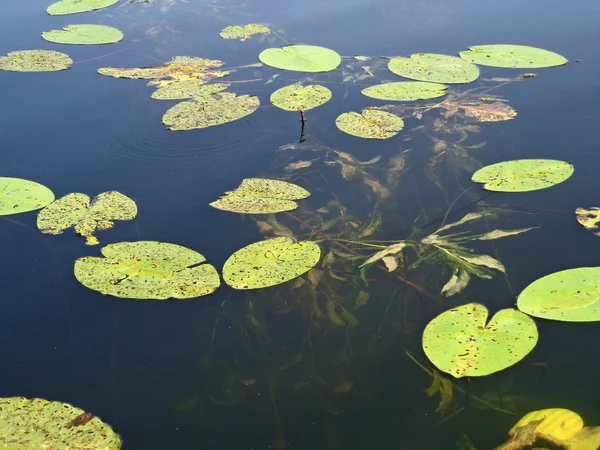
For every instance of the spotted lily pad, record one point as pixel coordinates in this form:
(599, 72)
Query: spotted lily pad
(434, 68)
(76, 210)
(513, 56)
(18, 196)
(406, 90)
(589, 218)
(463, 343)
(243, 33)
(148, 270)
(261, 196)
(270, 262)
(35, 61)
(34, 424)
(301, 58)
(523, 175)
(370, 123)
(84, 34)
(77, 6)
(300, 98)
(181, 90)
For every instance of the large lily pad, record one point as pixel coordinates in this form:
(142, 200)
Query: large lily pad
(300, 98)
(148, 270)
(406, 90)
(301, 58)
(270, 262)
(76, 210)
(18, 196)
(180, 90)
(210, 111)
(77, 6)
(261, 196)
(34, 424)
(462, 343)
(245, 32)
(514, 56)
(84, 34)
(523, 175)
(435, 68)
(35, 61)
(370, 124)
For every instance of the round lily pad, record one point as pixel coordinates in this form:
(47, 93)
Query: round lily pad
(301, 58)
(300, 98)
(34, 424)
(523, 175)
(435, 68)
(270, 262)
(148, 270)
(84, 34)
(406, 90)
(18, 196)
(513, 56)
(245, 32)
(462, 343)
(35, 61)
(370, 124)
(180, 90)
(77, 6)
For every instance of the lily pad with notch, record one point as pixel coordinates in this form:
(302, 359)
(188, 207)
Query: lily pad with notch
(19, 196)
(84, 34)
(301, 58)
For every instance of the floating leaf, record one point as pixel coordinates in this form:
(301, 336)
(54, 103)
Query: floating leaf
(523, 175)
(553, 424)
(18, 196)
(461, 343)
(35, 61)
(589, 218)
(370, 123)
(84, 34)
(76, 210)
(514, 56)
(300, 98)
(209, 111)
(77, 6)
(405, 90)
(180, 90)
(40, 424)
(270, 262)
(301, 58)
(148, 270)
(243, 33)
(487, 112)
(435, 68)
(261, 196)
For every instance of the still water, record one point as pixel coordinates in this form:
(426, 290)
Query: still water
(262, 370)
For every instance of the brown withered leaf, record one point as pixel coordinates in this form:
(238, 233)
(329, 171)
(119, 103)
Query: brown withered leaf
(297, 165)
(361, 299)
(315, 276)
(482, 112)
(394, 249)
(391, 263)
(589, 218)
(376, 186)
(264, 227)
(522, 437)
(443, 386)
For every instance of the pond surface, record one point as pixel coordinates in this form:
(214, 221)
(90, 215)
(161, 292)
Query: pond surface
(265, 369)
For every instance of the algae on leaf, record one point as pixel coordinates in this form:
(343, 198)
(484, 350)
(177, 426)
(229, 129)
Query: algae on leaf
(77, 6)
(84, 34)
(180, 90)
(434, 68)
(589, 218)
(301, 58)
(405, 91)
(300, 98)
(35, 61)
(513, 56)
(18, 196)
(243, 33)
(370, 124)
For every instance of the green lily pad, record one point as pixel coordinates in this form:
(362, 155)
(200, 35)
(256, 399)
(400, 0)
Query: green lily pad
(571, 295)
(523, 175)
(181, 90)
(77, 6)
(243, 33)
(435, 68)
(76, 210)
(210, 111)
(370, 124)
(513, 56)
(301, 58)
(270, 262)
(84, 34)
(35, 61)
(148, 270)
(18, 196)
(34, 424)
(261, 196)
(406, 90)
(300, 98)
(462, 343)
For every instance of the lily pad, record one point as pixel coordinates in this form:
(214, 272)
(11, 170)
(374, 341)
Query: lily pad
(210, 111)
(523, 175)
(77, 6)
(435, 68)
(148, 270)
(300, 98)
(270, 262)
(554, 424)
(462, 343)
(18, 196)
(33, 424)
(181, 90)
(589, 218)
(513, 56)
(370, 124)
(405, 90)
(243, 33)
(261, 196)
(76, 210)
(301, 58)
(84, 34)
(571, 295)
(35, 61)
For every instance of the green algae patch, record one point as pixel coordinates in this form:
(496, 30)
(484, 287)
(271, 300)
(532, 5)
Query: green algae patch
(35, 61)
(181, 90)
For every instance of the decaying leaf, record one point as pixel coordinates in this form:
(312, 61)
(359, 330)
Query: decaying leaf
(589, 218)
(497, 234)
(522, 437)
(393, 249)
(245, 32)
(35, 61)
(297, 165)
(481, 112)
(457, 282)
(361, 299)
(443, 386)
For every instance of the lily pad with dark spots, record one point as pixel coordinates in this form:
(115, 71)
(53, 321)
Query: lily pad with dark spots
(245, 32)
(300, 98)
(18, 196)
(35, 61)
(370, 124)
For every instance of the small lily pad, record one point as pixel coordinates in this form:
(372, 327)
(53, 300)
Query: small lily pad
(370, 124)
(406, 90)
(269, 263)
(300, 98)
(301, 58)
(77, 6)
(243, 33)
(35, 61)
(434, 68)
(84, 34)
(148, 270)
(180, 90)
(18, 196)
(513, 56)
